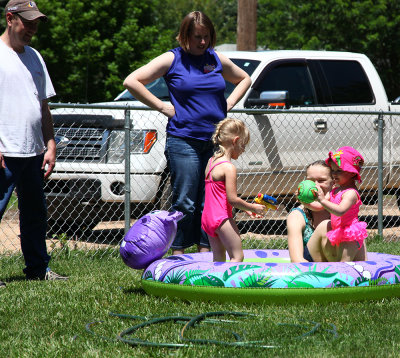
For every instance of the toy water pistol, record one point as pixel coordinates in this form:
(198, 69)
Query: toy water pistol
(268, 201)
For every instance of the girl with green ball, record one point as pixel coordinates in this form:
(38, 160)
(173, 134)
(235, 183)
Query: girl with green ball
(302, 220)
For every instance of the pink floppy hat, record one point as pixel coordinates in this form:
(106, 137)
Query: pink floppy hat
(348, 159)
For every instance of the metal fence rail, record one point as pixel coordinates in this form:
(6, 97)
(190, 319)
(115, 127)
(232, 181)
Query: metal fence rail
(111, 170)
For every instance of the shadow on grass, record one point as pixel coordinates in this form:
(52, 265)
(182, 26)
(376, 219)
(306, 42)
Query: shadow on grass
(14, 279)
(136, 291)
(103, 236)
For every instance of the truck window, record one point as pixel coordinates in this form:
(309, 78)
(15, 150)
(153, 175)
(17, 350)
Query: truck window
(158, 88)
(247, 65)
(347, 82)
(293, 77)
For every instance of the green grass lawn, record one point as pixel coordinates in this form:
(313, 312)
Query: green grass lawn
(13, 203)
(48, 319)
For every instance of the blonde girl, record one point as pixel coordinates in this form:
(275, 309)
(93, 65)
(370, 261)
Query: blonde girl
(230, 137)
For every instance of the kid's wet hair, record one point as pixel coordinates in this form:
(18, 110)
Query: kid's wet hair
(320, 163)
(225, 131)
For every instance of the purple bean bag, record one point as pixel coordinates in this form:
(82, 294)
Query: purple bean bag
(149, 238)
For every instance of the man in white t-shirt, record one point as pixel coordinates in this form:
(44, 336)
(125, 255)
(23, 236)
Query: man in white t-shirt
(27, 145)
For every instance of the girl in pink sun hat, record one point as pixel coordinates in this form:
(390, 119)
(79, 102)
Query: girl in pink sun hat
(342, 237)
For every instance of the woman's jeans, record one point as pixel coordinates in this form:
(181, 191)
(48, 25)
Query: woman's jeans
(187, 160)
(26, 175)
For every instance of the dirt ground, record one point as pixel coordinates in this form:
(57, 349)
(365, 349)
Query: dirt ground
(272, 225)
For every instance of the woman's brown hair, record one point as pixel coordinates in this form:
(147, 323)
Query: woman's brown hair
(187, 28)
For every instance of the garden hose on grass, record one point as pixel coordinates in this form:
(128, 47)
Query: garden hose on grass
(239, 342)
(317, 326)
(137, 341)
(190, 322)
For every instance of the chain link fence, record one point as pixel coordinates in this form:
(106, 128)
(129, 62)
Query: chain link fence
(111, 170)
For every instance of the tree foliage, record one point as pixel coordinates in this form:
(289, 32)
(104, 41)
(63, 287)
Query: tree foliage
(90, 47)
(365, 26)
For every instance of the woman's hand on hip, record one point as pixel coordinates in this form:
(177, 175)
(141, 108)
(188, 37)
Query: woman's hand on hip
(168, 110)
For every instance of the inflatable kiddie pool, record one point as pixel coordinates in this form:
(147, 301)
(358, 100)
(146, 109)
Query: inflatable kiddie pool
(264, 276)
(268, 276)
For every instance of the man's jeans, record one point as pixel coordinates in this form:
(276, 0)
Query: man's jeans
(26, 175)
(187, 160)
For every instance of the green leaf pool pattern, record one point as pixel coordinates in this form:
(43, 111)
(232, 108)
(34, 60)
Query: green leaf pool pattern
(256, 275)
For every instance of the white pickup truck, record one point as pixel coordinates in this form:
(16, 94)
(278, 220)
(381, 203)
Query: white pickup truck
(88, 184)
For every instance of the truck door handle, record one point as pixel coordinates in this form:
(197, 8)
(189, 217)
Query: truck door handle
(321, 125)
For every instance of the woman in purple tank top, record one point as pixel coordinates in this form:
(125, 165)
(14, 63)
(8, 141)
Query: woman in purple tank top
(195, 75)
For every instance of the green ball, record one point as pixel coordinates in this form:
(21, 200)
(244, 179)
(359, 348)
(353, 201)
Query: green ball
(307, 191)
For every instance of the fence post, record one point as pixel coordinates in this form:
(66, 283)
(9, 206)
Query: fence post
(380, 175)
(127, 207)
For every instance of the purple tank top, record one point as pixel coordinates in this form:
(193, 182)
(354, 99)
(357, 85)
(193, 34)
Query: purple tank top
(196, 89)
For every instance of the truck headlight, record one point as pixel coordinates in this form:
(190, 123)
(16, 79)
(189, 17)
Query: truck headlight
(141, 142)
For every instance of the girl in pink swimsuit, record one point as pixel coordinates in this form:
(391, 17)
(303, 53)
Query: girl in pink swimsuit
(231, 137)
(342, 237)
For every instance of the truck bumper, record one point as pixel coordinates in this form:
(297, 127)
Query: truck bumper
(98, 197)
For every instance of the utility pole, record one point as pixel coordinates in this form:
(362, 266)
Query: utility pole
(246, 37)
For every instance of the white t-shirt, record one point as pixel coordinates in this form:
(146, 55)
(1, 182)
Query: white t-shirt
(24, 83)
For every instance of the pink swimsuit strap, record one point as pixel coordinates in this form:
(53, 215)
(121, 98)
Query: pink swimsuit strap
(344, 191)
(212, 167)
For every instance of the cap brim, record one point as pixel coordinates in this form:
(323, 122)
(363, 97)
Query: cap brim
(33, 15)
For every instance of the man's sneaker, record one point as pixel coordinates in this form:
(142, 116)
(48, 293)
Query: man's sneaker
(2, 284)
(52, 276)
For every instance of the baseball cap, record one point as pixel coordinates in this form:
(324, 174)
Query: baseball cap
(26, 9)
(348, 159)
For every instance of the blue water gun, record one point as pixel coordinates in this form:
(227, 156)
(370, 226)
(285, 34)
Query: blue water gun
(268, 201)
